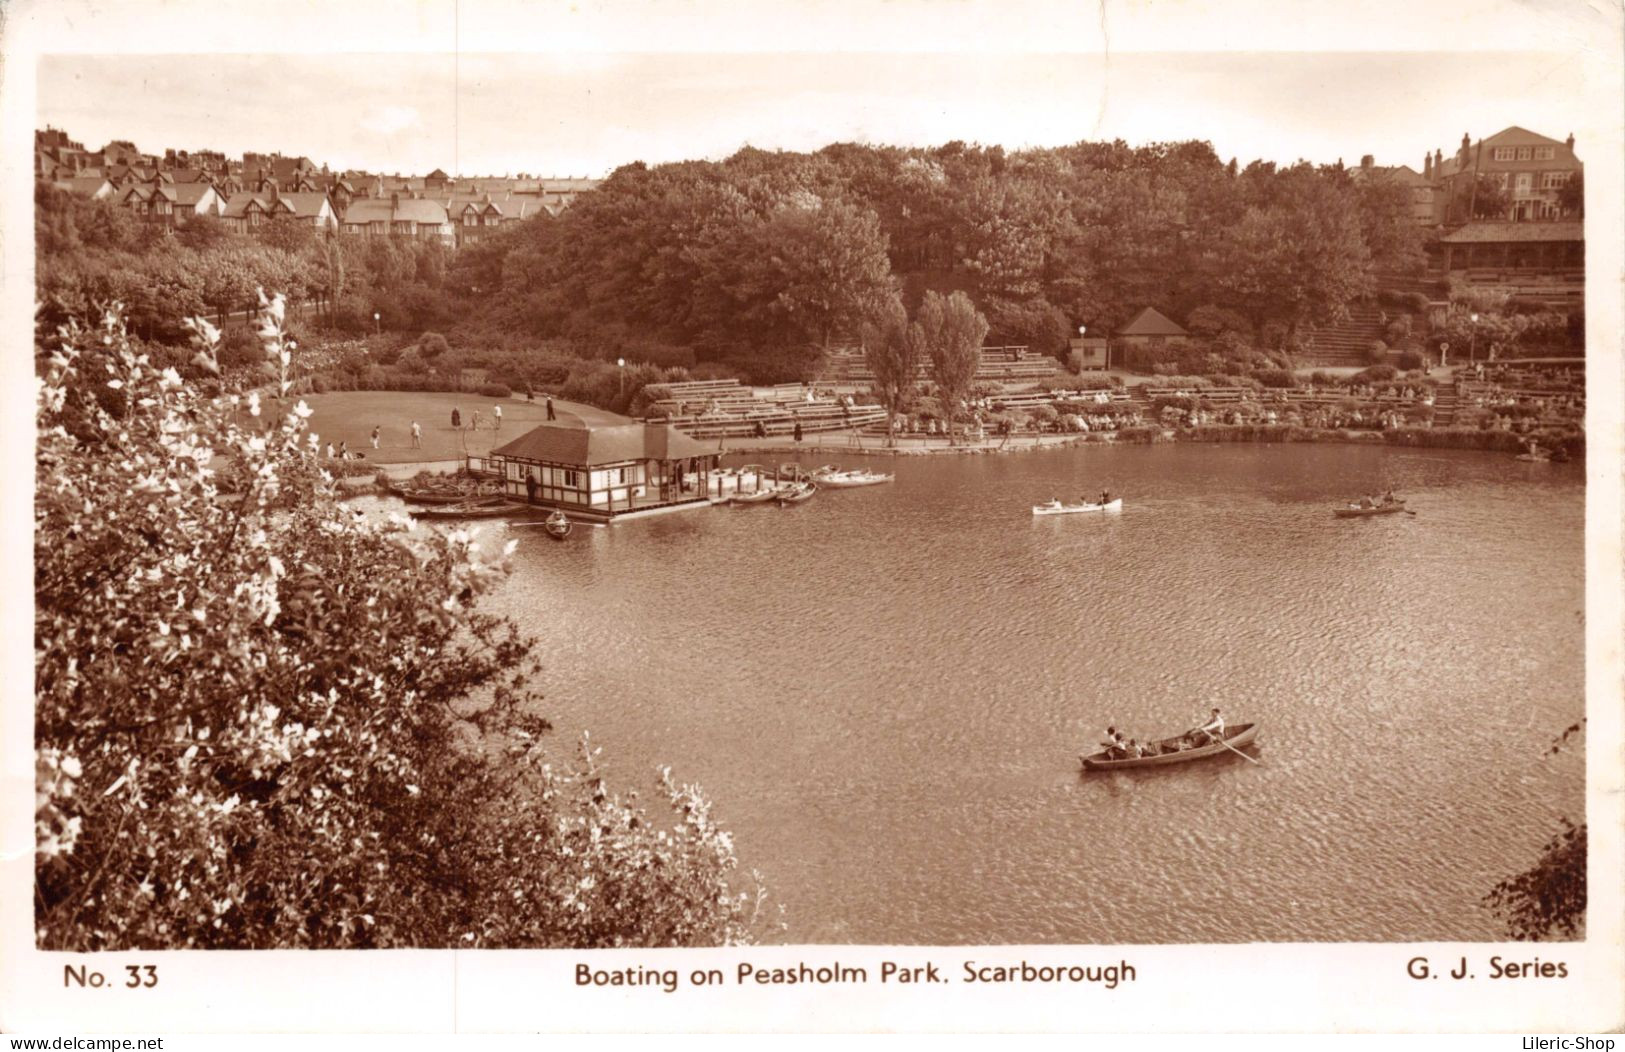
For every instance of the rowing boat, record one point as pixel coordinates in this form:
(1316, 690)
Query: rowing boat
(557, 525)
(797, 494)
(430, 496)
(1234, 738)
(761, 496)
(1353, 511)
(473, 510)
(1055, 507)
(852, 479)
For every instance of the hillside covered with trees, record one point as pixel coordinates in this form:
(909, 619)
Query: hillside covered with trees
(757, 265)
(762, 260)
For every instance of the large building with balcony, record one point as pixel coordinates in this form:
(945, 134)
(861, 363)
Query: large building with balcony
(1530, 168)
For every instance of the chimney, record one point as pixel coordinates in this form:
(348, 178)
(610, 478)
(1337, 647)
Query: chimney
(1367, 161)
(1569, 142)
(1427, 166)
(1466, 148)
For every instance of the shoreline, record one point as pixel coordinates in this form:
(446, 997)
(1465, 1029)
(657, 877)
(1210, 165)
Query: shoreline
(1500, 442)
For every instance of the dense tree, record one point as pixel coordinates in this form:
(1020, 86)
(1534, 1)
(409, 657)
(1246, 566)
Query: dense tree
(1550, 896)
(1393, 241)
(286, 233)
(265, 720)
(1571, 196)
(950, 330)
(1297, 255)
(1484, 198)
(893, 357)
(202, 232)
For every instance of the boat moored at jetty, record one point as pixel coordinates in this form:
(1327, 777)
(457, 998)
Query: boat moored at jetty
(797, 494)
(851, 479)
(557, 525)
(1168, 750)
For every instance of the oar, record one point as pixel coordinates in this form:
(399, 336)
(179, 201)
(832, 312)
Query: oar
(1238, 752)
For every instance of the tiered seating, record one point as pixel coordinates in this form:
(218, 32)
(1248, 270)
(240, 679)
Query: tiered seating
(728, 409)
(1558, 289)
(1002, 364)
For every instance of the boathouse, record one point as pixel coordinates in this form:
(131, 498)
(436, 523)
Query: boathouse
(606, 469)
(1149, 328)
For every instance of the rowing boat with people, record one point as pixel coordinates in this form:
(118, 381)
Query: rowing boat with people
(1169, 751)
(1355, 510)
(1055, 507)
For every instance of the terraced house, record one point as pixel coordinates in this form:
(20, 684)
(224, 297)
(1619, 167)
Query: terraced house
(246, 212)
(248, 193)
(398, 215)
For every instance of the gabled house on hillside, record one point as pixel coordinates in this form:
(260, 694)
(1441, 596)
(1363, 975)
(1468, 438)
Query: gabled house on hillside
(476, 217)
(246, 212)
(86, 187)
(400, 216)
(1529, 167)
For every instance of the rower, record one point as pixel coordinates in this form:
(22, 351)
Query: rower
(1214, 727)
(1105, 496)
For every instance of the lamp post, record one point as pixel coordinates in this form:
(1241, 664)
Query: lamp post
(377, 323)
(1472, 345)
(620, 363)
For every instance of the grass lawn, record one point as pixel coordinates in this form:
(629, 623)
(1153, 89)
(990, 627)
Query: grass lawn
(349, 416)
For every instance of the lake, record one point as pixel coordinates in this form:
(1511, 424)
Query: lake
(885, 691)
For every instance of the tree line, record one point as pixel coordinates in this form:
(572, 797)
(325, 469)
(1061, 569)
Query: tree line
(764, 260)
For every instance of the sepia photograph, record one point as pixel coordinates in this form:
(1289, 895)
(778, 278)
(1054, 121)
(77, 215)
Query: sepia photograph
(522, 498)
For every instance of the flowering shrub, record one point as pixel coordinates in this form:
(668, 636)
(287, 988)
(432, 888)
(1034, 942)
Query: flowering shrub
(264, 720)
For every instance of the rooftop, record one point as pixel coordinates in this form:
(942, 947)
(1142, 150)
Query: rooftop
(571, 440)
(1151, 322)
(1488, 233)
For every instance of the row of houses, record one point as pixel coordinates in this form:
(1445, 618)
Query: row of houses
(260, 188)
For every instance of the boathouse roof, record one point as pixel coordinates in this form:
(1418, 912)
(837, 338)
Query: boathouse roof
(1151, 322)
(570, 440)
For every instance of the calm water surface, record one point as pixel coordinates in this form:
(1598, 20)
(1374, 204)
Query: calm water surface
(885, 691)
